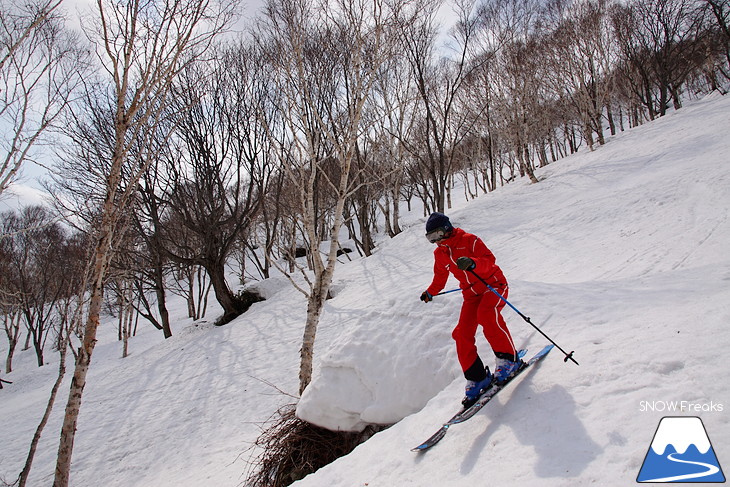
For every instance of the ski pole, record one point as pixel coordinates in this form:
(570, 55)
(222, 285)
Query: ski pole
(457, 289)
(568, 356)
(447, 292)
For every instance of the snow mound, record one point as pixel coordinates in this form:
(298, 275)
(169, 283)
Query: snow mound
(383, 358)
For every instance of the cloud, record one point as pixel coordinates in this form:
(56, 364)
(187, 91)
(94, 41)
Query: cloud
(19, 195)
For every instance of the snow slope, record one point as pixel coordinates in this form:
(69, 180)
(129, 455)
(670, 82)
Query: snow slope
(620, 254)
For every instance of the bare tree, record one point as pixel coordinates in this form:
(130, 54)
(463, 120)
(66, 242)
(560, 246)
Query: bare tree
(521, 92)
(11, 325)
(9, 296)
(34, 246)
(42, 280)
(394, 101)
(19, 25)
(62, 351)
(583, 53)
(720, 10)
(658, 39)
(215, 171)
(142, 46)
(147, 223)
(326, 58)
(443, 119)
(69, 310)
(40, 67)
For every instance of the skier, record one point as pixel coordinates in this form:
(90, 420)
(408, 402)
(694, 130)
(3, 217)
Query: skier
(459, 252)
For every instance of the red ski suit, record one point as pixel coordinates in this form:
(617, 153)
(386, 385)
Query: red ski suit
(481, 306)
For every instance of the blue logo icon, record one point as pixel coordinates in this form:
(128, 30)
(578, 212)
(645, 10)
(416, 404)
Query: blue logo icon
(681, 452)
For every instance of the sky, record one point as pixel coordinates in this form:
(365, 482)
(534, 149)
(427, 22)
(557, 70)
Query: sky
(28, 190)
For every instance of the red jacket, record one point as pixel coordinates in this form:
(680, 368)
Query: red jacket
(463, 244)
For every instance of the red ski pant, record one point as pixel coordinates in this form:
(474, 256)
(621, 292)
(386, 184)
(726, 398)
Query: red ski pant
(484, 310)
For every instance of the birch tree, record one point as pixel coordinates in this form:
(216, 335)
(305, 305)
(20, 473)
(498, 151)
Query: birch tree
(583, 54)
(141, 45)
(443, 123)
(40, 67)
(325, 58)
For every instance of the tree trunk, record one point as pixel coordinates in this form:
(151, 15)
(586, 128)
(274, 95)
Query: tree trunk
(38, 345)
(663, 99)
(220, 287)
(164, 314)
(396, 208)
(13, 332)
(83, 360)
(323, 272)
(609, 115)
(526, 166)
(127, 314)
(158, 273)
(314, 311)
(9, 359)
(23, 477)
(161, 299)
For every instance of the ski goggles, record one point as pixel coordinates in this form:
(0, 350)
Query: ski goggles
(437, 235)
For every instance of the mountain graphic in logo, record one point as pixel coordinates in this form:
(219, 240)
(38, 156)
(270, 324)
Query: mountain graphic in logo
(681, 452)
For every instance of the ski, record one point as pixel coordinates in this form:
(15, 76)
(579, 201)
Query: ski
(486, 396)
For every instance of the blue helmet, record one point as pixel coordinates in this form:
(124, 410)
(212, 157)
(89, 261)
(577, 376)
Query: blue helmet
(438, 227)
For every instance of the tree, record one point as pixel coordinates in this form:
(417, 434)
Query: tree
(142, 46)
(658, 39)
(147, 224)
(69, 310)
(444, 118)
(325, 58)
(215, 172)
(720, 10)
(519, 86)
(34, 243)
(9, 296)
(583, 55)
(40, 68)
(394, 101)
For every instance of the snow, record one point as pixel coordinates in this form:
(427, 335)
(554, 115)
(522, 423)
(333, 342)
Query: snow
(620, 254)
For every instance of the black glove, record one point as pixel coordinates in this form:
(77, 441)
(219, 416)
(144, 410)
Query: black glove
(465, 263)
(426, 297)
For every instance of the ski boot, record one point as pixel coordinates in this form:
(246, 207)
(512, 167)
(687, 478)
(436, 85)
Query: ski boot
(475, 389)
(505, 369)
